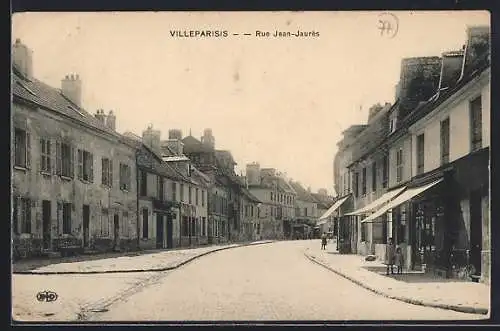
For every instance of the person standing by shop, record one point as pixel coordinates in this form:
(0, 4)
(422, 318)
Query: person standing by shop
(323, 241)
(390, 253)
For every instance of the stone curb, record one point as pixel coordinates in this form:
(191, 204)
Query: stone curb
(462, 309)
(44, 273)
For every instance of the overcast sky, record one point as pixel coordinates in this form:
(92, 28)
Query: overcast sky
(280, 102)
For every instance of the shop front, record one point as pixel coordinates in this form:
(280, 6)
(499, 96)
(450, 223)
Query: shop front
(410, 220)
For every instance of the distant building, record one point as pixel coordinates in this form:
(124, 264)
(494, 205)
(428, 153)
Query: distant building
(277, 201)
(225, 187)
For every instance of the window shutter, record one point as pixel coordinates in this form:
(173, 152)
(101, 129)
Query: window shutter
(42, 156)
(58, 166)
(72, 157)
(80, 164)
(59, 217)
(35, 224)
(104, 171)
(128, 177)
(91, 168)
(49, 156)
(110, 172)
(28, 150)
(16, 214)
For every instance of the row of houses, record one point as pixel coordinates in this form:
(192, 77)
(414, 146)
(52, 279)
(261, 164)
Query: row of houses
(79, 185)
(418, 170)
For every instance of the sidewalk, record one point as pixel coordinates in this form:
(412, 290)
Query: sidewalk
(138, 262)
(411, 287)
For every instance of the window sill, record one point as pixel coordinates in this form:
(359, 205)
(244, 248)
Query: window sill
(124, 190)
(45, 173)
(21, 168)
(107, 187)
(85, 181)
(66, 178)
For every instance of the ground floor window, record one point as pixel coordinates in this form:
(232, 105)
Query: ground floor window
(125, 224)
(185, 226)
(105, 222)
(192, 230)
(15, 210)
(25, 215)
(364, 229)
(67, 218)
(401, 223)
(145, 223)
(203, 226)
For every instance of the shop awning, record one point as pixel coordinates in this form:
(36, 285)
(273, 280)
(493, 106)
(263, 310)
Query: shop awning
(335, 206)
(405, 196)
(386, 197)
(323, 221)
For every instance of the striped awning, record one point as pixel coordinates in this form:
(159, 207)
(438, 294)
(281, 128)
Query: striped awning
(333, 208)
(405, 196)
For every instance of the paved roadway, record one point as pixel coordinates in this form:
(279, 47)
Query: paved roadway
(265, 282)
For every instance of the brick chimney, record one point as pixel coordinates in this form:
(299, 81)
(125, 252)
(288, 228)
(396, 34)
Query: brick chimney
(22, 59)
(253, 173)
(478, 43)
(111, 120)
(418, 82)
(175, 134)
(151, 138)
(208, 139)
(451, 67)
(71, 88)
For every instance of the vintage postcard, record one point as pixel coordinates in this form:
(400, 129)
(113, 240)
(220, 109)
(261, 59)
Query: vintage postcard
(250, 166)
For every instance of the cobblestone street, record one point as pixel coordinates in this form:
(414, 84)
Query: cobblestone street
(271, 282)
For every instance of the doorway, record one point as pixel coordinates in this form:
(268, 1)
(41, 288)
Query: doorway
(476, 237)
(170, 225)
(46, 213)
(159, 230)
(86, 225)
(116, 232)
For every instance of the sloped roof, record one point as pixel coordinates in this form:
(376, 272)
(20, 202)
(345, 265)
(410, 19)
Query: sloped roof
(302, 193)
(160, 166)
(249, 195)
(48, 97)
(190, 140)
(192, 145)
(224, 154)
(323, 201)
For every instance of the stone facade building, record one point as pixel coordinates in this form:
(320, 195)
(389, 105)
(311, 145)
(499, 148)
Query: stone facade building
(73, 175)
(225, 188)
(276, 211)
(436, 205)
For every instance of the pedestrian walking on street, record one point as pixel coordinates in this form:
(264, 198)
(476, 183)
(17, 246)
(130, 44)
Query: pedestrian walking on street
(323, 241)
(398, 260)
(389, 256)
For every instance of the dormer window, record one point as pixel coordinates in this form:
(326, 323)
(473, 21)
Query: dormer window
(392, 124)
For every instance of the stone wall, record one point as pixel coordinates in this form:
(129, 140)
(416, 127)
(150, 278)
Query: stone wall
(37, 185)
